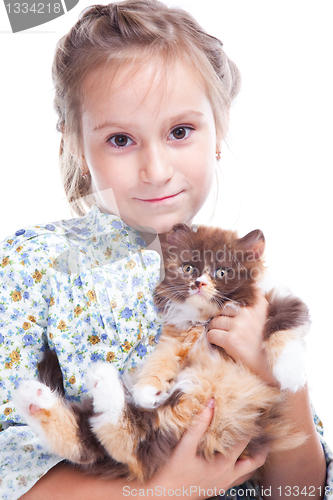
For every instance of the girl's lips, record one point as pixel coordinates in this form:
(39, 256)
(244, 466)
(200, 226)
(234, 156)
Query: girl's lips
(158, 200)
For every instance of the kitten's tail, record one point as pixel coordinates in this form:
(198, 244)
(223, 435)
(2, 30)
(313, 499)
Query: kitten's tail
(49, 371)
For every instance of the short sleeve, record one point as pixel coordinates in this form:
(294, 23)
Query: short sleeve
(24, 297)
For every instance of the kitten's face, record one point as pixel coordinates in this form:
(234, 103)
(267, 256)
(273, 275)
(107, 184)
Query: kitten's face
(207, 267)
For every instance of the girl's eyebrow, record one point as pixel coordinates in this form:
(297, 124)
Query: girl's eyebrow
(185, 116)
(111, 125)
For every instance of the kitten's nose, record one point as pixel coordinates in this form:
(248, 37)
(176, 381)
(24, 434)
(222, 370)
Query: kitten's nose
(201, 281)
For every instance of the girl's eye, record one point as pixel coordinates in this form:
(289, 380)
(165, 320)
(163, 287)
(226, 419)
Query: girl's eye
(120, 140)
(180, 133)
(188, 269)
(221, 272)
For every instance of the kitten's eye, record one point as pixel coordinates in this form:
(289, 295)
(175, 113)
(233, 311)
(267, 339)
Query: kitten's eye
(221, 272)
(188, 269)
(120, 140)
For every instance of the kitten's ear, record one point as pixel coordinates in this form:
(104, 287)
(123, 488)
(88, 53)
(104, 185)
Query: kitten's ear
(254, 243)
(179, 231)
(181, 227)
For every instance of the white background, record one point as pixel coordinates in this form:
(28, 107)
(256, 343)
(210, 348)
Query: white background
(275, 169)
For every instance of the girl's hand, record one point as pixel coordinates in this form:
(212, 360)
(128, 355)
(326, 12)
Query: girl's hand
(240, 333)
(187, 471)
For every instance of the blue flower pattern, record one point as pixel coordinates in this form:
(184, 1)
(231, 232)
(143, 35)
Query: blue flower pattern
(59, 284)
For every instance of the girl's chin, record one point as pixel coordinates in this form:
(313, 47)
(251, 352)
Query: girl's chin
(158, 224)
(167, 226)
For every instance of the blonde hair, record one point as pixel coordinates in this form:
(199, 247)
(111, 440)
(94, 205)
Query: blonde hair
(123, 32)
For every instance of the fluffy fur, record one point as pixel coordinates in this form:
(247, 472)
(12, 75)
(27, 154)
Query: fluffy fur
(131, 429)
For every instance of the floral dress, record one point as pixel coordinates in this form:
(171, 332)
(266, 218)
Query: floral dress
(84, 286)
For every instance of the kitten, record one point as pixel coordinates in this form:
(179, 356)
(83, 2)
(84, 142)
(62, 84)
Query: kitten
(131, 428)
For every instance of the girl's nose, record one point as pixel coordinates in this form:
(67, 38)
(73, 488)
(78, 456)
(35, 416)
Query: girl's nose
(156, 167)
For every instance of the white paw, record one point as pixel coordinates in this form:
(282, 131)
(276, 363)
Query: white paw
(148, 396)
(107, 392)
(31, 397)
(290, 369)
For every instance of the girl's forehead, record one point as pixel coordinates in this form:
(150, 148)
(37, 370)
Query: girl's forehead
(148, 80)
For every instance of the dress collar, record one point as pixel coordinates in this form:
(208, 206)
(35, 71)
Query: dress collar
(96, 223)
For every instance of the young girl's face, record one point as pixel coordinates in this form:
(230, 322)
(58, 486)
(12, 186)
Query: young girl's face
(149, 144)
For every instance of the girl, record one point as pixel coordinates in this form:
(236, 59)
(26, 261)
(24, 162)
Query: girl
(143, 97)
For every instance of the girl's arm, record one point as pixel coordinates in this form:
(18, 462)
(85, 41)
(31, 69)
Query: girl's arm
(304, 468)
(24, 304)
(300, 472)
(186, 474)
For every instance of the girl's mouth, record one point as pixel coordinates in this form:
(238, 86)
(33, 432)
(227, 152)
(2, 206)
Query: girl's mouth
(159, 200)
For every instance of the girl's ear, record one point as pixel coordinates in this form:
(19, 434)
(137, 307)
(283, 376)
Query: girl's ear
(222, 131)
(218, 145)
(83, 166)
(71, 146)
(253, 244)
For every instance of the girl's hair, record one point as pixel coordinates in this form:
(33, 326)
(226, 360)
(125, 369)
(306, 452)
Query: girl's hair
(128, 32)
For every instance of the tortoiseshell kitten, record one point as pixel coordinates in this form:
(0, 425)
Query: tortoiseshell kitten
(131, 430)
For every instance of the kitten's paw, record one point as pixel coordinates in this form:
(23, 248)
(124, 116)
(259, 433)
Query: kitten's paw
(107, 392)
(148, 396)
(290, 369)
(34, 402)
(50, 417)
(32, 397)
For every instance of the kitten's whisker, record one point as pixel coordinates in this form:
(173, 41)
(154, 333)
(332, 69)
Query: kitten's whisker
(175, 293)
(221, 301)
